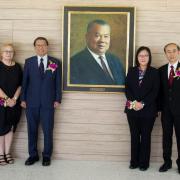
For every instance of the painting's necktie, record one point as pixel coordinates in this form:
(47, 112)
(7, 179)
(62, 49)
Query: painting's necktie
(104, 67)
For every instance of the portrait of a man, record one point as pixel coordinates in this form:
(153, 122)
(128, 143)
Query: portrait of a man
(94, 64)
(98, 48)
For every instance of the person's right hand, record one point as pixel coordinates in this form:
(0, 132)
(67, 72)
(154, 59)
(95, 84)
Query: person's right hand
(23, 104)
(138, 106)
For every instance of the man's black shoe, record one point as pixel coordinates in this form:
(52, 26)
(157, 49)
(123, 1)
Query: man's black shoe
(143, 168)
(165, 167)
(31, 160)
(133, 166)
(46, 161)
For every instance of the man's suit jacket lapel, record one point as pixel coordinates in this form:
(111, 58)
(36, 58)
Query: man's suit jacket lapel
(165, 75)
(176, 80)
(111, 66)
(92, 64)
(97, 70)
(48, 62)
(178, 66)
(35, 65)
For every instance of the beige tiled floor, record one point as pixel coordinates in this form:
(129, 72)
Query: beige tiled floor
(83, 170)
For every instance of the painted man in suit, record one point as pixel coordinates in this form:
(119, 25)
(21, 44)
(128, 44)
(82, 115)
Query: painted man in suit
(170, 99)
(41, 93)
(94, 65)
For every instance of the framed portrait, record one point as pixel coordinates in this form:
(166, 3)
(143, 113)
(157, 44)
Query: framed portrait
(98, 47)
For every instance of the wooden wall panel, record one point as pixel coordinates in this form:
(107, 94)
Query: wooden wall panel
(158, 16)
(26, 13)
(88, 126)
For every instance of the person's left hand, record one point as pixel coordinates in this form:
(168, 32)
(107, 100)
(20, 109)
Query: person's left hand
(11, 102)
(56, 104)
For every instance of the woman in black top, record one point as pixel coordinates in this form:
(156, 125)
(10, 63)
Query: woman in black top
(10, 110)
(141, 90)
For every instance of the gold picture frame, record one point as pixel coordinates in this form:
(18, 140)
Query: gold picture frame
(76, 19)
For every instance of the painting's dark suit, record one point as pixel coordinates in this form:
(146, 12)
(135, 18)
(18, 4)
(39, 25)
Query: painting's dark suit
(85, 70)
(170, 107)
(40, 92)
(141, 122)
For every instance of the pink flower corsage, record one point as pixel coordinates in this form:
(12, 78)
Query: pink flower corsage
(3, 101)
(177, 73)
(52, 66)
(130, 104)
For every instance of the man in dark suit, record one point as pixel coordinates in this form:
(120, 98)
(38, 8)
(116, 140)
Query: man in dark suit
(169, 100)
(41, 93)
(94, 65)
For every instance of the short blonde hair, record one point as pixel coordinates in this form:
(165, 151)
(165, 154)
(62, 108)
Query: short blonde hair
(5, 45)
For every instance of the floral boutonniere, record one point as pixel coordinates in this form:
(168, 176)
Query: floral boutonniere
(177, 73)
(52, 66)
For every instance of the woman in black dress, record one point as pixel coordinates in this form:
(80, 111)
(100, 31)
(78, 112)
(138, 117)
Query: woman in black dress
(10, 110)
(141, 89)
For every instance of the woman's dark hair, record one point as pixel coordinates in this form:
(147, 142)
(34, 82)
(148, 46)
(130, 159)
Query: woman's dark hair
(41, 38)
(142, 48)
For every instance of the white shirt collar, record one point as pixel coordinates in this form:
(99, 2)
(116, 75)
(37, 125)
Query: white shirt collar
(96, 56)
(45, 60)
(174, 65)
(97, 59)
(44, 57)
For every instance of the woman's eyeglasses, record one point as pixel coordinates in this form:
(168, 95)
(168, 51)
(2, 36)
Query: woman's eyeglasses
(10, 52)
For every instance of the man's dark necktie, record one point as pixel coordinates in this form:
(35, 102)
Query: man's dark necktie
(41, 67)
(104, 67)
(171, 76)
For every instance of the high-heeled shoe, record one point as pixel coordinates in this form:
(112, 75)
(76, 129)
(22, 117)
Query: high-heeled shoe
(2, 160)
(9, 159)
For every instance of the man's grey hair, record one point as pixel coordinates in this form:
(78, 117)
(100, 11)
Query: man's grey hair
(96, 21)
(178, 48)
